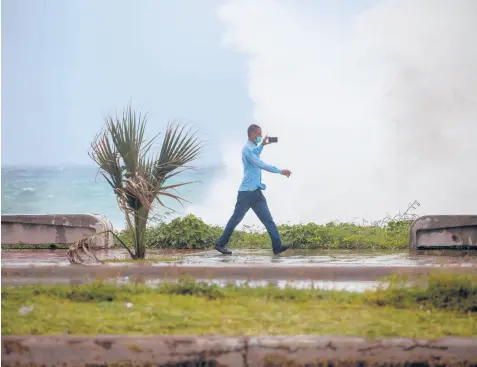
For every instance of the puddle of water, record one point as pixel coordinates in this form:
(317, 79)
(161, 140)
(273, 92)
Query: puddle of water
(299, 257)
(322, 258)
(350, 286)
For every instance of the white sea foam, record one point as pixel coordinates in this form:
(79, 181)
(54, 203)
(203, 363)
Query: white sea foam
(372, 112)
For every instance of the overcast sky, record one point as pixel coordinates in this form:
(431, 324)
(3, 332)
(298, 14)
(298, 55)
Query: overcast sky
(67, 63)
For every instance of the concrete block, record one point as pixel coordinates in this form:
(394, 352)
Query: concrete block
(444, 232)
(122, 351)
(54, 228)
(355, 351)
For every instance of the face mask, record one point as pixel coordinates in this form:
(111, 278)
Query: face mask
(258, 140)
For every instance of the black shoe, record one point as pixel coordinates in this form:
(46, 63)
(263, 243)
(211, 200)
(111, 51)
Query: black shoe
(282, 249)
(223, 250)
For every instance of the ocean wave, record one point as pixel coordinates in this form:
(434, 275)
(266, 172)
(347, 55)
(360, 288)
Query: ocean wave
(26, 191)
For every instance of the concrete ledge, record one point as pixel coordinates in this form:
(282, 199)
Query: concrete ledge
(444, 231)
(81, 274)
(235, 351)
(54, 228)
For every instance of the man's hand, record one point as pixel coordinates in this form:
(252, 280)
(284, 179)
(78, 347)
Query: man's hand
(286, 172)
(265, 140)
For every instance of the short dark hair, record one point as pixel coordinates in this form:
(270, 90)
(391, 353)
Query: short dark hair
(252, 128)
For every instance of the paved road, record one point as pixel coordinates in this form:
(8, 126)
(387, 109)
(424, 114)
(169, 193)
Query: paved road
(79, 274)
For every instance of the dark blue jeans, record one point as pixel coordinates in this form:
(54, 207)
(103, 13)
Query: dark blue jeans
(258, 203)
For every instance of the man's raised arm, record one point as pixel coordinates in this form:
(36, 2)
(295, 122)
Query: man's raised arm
(259, 148)
(257, 162)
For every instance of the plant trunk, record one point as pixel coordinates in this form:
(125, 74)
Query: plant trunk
(140, 221)
(132, 228)
(140, 248)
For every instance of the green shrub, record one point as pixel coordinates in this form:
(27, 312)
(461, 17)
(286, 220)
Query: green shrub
(347, 235)
(250, 237)
(190, 232)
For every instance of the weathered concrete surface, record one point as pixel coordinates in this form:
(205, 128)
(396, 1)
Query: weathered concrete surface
(354, 351)
(81, 274)
(235, 351)
(54, 228)
(444, 231)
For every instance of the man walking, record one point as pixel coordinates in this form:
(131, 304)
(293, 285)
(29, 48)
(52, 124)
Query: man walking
(250, 193)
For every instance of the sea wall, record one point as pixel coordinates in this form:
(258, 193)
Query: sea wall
(444, 231)
(54, 228)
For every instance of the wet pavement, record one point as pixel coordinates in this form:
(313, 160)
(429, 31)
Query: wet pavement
(299, 257)
(324, 269)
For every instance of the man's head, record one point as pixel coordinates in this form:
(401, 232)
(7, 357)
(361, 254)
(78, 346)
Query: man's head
(254, 133)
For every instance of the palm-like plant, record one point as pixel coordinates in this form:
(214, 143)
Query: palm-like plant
(137, 175)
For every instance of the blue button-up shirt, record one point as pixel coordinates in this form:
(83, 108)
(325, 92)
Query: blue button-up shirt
(252, 168)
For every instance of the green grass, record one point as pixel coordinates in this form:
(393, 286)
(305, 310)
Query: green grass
(443, 291)
(440, 306)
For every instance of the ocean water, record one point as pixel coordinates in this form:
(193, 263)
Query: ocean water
(81, 189)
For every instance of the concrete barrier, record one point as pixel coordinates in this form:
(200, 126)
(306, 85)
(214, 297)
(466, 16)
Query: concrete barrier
(444, 232)
(235, 351)
(54, 228)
